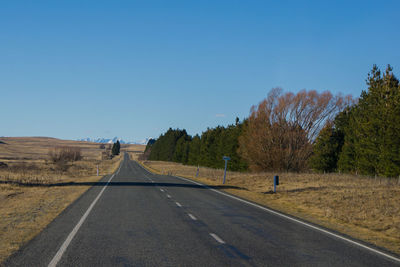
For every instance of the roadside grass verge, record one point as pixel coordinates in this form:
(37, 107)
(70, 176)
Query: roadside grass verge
(365, 208)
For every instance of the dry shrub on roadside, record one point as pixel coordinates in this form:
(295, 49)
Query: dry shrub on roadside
(65, 154)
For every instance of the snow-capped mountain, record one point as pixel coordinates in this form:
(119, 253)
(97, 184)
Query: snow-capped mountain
(144, 142)
(113, 140)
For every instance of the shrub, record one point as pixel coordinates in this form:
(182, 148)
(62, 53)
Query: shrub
(65, 154)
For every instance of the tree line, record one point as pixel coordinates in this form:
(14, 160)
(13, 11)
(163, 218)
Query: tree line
(205, 150)
(302, 131)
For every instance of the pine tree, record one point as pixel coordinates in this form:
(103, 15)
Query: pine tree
(116, 148)
(165, 148)
(390, 147)
(367, 125)
(344, 124)
(181, 152)
(372, 137)
(326, 149)
(194, 151)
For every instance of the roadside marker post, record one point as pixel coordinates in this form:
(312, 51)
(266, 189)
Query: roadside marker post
(276, 182)
(97, 170)
(226, 165)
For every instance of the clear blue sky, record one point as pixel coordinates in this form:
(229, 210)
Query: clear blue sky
(74, 69)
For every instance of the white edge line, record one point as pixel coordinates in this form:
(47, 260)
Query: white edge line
(295, 220)
(219, 240)
(192, 217)
(71, 235)
(119, 168)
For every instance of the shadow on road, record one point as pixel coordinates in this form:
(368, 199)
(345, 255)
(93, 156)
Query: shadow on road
(139, 184)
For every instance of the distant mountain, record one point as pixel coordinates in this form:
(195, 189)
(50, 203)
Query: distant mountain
(144, 142)
(113, 140)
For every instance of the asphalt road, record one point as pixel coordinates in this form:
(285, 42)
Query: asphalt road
(142, 219)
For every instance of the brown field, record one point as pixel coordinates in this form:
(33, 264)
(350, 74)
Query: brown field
(362, 207)
(29, 195)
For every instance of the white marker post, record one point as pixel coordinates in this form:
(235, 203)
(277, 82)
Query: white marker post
(97, 170)
(226, 165)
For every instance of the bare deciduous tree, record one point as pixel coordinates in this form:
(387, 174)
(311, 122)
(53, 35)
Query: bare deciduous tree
(281, 130)
(65, 153)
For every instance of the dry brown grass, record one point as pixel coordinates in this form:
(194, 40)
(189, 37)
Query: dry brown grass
(37, 148)
(362, 207)
(26, 210)
(133, 148)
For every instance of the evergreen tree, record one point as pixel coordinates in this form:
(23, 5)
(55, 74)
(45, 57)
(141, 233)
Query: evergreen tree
(372, 137)
(181, 152)
(376, 125)
(344, 124)
(116, 148)
(194, 151)
(165, 146)
(326, 149)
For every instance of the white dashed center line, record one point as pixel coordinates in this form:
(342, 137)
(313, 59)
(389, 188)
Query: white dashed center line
(219, 240)
(178, 204)
(168, 196)
(162, 190)
(192, 217)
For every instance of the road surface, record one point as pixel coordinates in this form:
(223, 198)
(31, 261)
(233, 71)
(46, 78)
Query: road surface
(135, 218)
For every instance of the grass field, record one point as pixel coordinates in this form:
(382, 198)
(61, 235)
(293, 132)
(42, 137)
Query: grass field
(362, 207)
(29, 195)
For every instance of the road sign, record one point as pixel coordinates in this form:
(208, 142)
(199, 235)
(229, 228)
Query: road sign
(226, 165)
